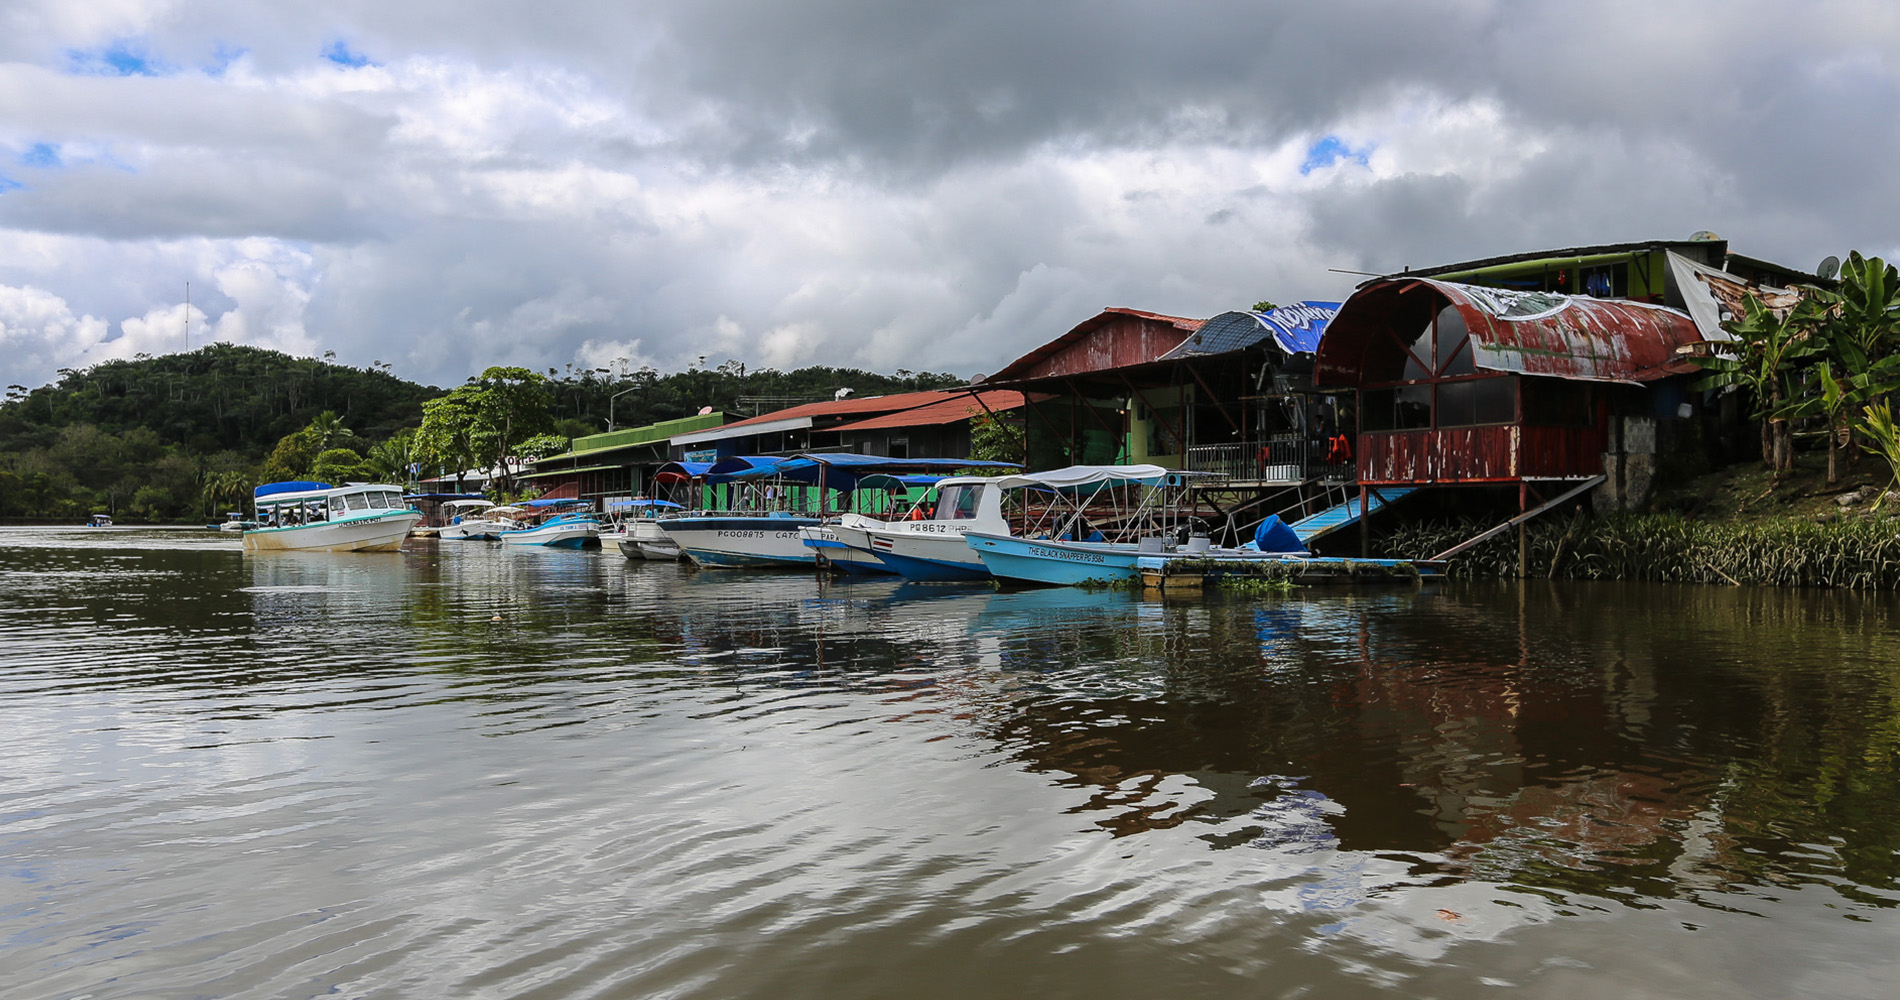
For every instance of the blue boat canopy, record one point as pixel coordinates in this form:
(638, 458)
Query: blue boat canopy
(680, 472)
(272, 489)
(549, 503)
(642, 502)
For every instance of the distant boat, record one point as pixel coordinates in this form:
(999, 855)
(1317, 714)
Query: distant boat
(477, 520)
(99, 521)
(573, 530)
(318, 517)
(637, 533)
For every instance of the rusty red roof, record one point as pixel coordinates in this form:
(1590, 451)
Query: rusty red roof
(1529, 333)
(853, 405)
(947, 411)
(1137, 338)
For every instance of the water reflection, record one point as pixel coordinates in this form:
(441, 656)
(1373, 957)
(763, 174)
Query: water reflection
(515, 769)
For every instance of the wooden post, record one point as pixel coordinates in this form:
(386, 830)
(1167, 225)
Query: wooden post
(1365, 532)
(1523, 532)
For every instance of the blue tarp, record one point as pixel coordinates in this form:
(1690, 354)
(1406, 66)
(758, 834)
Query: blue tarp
(1274, 535)
(547, 503)
(1295, 328)
(272, 489)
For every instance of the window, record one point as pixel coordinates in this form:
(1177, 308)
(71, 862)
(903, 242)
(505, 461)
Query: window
(379, 501)
(356, 501)
(1445, 396)
(1550, 402)
(958, 503)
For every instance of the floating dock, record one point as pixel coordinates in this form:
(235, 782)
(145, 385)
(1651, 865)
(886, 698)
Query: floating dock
(1169, 573)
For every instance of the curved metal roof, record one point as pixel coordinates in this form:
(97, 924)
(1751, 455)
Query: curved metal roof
(1527, 333)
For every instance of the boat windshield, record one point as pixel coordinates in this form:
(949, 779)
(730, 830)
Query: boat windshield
(380, 501)
(958, 503)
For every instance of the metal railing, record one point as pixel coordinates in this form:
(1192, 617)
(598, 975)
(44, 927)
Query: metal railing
(1281, 458)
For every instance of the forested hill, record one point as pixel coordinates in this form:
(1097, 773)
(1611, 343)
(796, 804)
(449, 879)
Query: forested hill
(185, 436)
(221, 397)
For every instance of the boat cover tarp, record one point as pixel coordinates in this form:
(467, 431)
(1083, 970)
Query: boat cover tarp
(1088, 478)
(550, 502)
(1275, 535)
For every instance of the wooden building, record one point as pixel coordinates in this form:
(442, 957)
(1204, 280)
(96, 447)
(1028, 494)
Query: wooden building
(1230, 395)
(1464, 385)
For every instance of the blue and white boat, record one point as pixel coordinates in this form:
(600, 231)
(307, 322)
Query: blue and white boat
(1059, 528)
(318, 517)
(570, 530)
(829, 544)
(930, 546)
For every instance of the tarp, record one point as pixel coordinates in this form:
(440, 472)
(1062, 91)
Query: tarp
(1078, 477)
(885, 481)
(1296, 329)
(1714, 297)
(549, 502)
(443, 496)
(1275, 535)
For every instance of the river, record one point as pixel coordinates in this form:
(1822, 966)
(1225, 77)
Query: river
(468, 770)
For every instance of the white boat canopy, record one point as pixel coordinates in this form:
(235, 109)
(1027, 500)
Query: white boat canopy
(1076, 477)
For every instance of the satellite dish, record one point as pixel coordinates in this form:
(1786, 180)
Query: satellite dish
(841, 394)
(1703, 236)
(704, 410)
(1830, 266)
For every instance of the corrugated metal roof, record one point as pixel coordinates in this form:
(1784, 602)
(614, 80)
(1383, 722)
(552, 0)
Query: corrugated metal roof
(1530, 333)
(948, 411)
(1152, 337)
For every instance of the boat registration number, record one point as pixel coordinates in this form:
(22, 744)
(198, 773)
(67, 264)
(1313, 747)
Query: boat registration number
(739, 533)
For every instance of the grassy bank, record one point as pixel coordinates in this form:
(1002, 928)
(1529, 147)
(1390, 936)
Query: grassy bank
(1858, 553)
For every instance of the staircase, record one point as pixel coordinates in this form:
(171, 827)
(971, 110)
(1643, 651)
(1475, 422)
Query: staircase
(1343, 515)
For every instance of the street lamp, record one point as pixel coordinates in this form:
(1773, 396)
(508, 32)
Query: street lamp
(610, 406)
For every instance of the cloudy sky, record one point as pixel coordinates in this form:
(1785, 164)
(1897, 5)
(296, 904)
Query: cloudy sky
(442, 185)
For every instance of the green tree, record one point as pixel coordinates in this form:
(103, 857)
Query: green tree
(339, 465)
(993, 439)
(446, 440)
(485, 422)
(390, 460)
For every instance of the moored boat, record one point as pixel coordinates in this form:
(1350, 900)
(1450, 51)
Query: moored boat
(834, 548)
(742, 540)
(318, 517)
(476, 520)
(569, 530)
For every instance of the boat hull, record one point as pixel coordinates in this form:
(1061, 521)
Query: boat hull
(742, 541)
(555, 536)
(379, 533)
(837, 547)
(647, 540)
(934, 555)
(478, 530)
(1056, 563)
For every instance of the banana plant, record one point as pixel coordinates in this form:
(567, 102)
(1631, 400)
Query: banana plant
(1883, 439)
(1769, 351)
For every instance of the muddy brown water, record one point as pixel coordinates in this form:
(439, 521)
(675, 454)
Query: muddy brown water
(468, 770)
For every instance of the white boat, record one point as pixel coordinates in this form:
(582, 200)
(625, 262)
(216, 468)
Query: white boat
(637, 532)
(99, 521)
(574, 530)
(1055, 535)
(476, 520)
(318, 517)
(929, 544)
(742, 540)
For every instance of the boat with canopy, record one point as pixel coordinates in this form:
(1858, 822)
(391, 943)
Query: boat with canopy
(317, 517)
